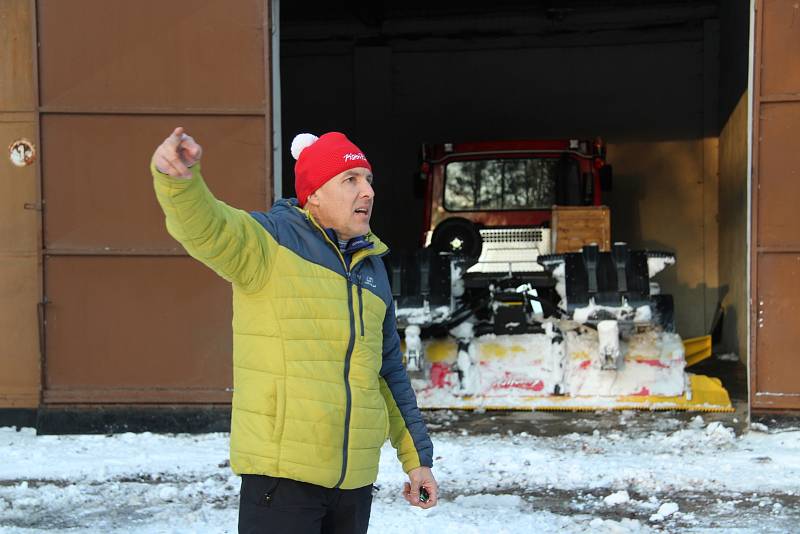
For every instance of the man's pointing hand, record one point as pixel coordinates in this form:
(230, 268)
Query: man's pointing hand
(176, 154)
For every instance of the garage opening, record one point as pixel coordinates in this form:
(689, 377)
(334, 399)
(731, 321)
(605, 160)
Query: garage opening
(663, 83)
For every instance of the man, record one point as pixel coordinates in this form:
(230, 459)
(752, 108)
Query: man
(319, 382)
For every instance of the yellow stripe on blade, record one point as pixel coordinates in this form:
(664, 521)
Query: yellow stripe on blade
(707, 395)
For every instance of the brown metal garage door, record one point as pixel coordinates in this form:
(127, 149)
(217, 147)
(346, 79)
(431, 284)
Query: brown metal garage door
(129, 317)
(19, 215)
(775, 276)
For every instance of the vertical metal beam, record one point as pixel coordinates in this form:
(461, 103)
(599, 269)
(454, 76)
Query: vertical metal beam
(710, 191)
(756, 95)
(750, 338)
(41, 308)
(275, 61)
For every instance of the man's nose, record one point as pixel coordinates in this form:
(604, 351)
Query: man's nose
(366, 190)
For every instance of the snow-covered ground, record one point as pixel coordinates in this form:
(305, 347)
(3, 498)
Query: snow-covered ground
(678, 475)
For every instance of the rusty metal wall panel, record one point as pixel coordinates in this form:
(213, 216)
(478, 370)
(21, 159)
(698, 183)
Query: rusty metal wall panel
(20, 374)
(128, 319)
(779, 47)
(779, 174)
(136, 329)
(20, 220)
(778, 311)
(17, 90)
(19, 216)
(775, 248)
(149, 54)
(97, 186)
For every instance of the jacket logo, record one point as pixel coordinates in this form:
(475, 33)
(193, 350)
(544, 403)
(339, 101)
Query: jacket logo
(369, 282)
(350, 156)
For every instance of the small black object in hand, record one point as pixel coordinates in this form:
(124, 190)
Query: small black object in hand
(423, 495)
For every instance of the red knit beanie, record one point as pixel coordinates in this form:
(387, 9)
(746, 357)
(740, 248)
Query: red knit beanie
(321, 158)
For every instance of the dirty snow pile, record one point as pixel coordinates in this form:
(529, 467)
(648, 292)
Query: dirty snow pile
(687, 477)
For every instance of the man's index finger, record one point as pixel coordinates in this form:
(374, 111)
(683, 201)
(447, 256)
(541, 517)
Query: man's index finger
(175, 137)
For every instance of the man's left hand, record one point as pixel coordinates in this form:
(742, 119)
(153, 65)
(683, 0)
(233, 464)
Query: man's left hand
(421, 477)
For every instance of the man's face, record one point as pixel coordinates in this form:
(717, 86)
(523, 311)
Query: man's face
(344, 203)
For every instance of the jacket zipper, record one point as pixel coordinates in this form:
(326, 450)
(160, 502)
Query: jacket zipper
(360, 305)
(350, 343)
(348, 393)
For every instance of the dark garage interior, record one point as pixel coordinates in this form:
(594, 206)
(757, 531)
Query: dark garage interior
(664, 83)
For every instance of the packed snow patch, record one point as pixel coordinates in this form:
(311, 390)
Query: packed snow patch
(168, 493)
(697, 422)
(664, 511)
(622, 527)
(719, 434)
(490, 501)
(618, 497)
(759, 427)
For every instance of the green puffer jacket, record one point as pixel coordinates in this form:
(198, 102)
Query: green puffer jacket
(318, 381)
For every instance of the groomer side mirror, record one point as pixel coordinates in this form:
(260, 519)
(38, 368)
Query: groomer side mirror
(606, 177)
(421, 180)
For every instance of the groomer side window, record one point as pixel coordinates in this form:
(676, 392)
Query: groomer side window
(500, 184)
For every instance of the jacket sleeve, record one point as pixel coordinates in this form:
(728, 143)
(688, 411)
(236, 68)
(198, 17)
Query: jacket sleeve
(408, 432)
(227, 240)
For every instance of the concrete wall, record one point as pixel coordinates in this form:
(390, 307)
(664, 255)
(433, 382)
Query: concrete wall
(733, 224)
(659, 203)
(733, 186)
(650, 92)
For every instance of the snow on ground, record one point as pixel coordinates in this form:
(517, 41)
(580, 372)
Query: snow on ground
(687, 476)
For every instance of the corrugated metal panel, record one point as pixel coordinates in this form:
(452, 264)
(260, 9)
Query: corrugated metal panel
(128, 329)
(19, 216)
(152, 55)
(775, 264)
(97, 185)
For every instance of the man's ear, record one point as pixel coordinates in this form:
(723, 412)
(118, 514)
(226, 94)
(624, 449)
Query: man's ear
(313, 200)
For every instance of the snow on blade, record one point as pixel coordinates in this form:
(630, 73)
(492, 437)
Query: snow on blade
(535, 370)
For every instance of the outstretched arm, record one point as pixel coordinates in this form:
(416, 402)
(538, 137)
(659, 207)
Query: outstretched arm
(226, 239)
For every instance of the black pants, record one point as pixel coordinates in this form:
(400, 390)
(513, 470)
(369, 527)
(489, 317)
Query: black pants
(269, 505)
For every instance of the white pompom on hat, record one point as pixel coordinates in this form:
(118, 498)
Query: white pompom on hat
(302, 141)
(321, 158)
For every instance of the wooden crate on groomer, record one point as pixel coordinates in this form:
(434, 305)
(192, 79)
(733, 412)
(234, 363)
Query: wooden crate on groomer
(576, 226)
